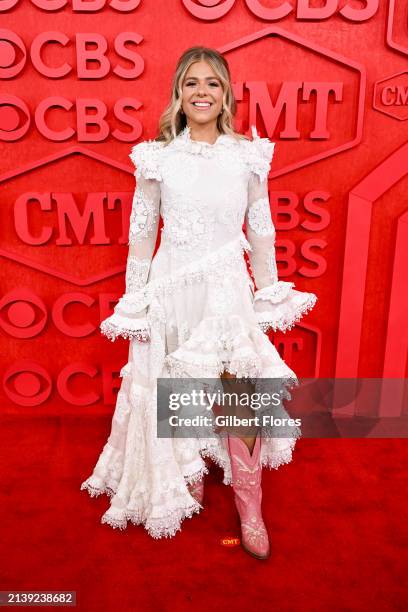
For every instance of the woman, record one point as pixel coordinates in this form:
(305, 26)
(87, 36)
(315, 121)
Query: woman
(191, 310)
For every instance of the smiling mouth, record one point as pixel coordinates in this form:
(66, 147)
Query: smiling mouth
(202, 105)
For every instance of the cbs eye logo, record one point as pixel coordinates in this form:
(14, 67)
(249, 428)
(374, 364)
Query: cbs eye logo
(27, 383)
(22, 314)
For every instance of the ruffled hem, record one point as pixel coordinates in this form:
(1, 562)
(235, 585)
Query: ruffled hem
(132, 329)
(198, 475)
(163, 527)
(158, 527)
(280, 307)
(96, 486)
(168, 525)
(146, 477)
(228, 343)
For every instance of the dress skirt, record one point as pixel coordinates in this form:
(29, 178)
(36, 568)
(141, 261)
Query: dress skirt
(197, 330)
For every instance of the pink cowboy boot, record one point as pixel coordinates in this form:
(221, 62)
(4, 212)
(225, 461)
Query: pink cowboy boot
(196, 489)
(246, 473)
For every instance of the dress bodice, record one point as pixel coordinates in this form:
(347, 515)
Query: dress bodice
(204, 193)
(203, 188)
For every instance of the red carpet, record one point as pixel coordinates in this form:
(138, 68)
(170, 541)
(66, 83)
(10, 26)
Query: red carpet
(336, 515)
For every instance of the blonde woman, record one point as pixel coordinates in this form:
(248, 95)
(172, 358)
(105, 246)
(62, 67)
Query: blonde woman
(192, 311)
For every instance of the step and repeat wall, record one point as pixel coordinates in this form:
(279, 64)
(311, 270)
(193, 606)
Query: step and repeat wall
(83, 81)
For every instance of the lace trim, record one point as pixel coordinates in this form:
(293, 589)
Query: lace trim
(211, 449)
(281, 457)
(94, 490)
(242, 368)
(227, 258)
(248, 369)
(164, 526)
(183, 141)
(219, 344)
(196, 476)
(170, 524)
(117, 325)
(146, 157)
(286, 318)
(158, 528)
(256, 153)
(274, 293)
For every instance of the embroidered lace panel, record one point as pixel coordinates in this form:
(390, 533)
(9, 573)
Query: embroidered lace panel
(259, 217)
(137, 271)
(142, 217)
(186, 226)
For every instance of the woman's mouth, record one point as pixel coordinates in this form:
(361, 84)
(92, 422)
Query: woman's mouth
(202, 106)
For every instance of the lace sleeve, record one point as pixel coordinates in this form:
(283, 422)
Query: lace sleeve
(277, 304)
(143, 229)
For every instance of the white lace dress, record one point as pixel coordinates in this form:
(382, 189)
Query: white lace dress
(196, 301)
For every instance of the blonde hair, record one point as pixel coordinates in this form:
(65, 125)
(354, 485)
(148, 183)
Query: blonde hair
(172, 120)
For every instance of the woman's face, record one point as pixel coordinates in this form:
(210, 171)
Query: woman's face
(201, 85)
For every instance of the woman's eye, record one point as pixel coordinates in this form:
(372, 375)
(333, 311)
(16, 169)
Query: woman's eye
(215, 84)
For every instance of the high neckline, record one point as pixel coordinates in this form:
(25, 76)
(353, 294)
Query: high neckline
(186, 135)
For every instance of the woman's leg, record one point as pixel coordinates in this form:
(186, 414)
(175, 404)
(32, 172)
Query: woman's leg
(232, 385)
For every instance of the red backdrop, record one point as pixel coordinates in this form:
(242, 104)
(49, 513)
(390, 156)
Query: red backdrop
(82, 82)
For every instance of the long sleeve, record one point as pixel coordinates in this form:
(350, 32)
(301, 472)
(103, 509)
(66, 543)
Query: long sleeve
(276, 303)
(126, 321)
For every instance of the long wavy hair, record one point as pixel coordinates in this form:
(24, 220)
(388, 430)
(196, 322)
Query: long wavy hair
(173, 120)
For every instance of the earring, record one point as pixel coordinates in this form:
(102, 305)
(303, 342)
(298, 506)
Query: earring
(181, 111)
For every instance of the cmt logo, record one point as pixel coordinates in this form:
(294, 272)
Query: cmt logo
(55, 203)
(64, 229)
(391, 96)
(230, 542)
(318, 109)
